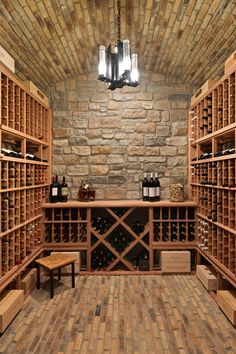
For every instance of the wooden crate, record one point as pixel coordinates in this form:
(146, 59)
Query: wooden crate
(226, 300)
(6, 59)
(11, 303)
(203, 89)
(230, 62)
(67, 269)
(175, 262)
(206, 277)
(28, 281)
(39, 94)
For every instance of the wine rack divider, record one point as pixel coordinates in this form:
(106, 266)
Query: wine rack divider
(25, 128)
(212, 173)
(137, 242)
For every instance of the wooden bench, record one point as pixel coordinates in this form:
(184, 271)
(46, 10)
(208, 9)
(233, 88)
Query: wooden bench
(55, 262)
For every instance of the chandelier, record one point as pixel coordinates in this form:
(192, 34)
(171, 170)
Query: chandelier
(116, 64)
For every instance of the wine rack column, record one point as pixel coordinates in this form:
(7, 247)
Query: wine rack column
(120, 239)
(25, 168)
(66, 228)
(212, 174)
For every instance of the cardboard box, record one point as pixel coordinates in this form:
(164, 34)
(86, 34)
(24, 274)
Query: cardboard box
(203, 89)
(29, 85)
(11, 303)
(206, 277)
(67, 269)
(7, 60)
(28, 281)
(226, 300)
(230, 62)
(175, 262)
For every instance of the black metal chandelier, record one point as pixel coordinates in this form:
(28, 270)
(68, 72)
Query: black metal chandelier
(116, 64)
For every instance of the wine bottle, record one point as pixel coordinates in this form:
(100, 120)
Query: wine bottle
(145, 187)
(54, 191)
(157, 187)
(64, 190)
(151, 189)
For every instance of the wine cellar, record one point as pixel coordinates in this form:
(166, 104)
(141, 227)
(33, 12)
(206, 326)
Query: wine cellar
(118, 177)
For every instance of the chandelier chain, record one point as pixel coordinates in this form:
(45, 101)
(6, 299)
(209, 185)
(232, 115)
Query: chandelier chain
(118, 19)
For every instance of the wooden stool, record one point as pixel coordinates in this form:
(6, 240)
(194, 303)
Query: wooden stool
(53, 262)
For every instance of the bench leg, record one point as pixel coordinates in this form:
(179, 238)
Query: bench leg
(73, 274)
(59, 273)
(51, 285)
(38, 276)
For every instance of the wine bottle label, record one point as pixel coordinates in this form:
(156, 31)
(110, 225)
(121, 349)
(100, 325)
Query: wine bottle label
(157, 191)
(152, 192)
(145, 191)
(54, 191)
(64, 191)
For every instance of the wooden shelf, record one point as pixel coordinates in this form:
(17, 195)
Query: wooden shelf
(119, 236)
(118, 203)
(25, 131)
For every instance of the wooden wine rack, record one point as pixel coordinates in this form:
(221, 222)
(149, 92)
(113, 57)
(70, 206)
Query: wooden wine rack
(212, 178)
(25, 128)
(164, 226)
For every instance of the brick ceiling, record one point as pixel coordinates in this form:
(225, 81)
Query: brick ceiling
(54, 39)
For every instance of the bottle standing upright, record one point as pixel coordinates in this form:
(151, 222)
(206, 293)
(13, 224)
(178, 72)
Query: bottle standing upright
(64, 190)
(145, 187)
(157, 187)
(54, 192)
(151, 189)
(59, 188)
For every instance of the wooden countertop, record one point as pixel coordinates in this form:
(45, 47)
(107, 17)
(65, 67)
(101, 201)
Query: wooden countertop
(118, 204)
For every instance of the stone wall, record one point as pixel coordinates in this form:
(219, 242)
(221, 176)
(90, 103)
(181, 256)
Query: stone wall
(111, 138)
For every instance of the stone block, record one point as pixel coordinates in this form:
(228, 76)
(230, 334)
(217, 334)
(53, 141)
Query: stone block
(177, 141)
(136, 150)
(133, 114)
(153, 151)
(115, 193)
(110, 122)
(168, 151)
(60, 133)
(115, 159)
(173, 161)
(81, 150)
(100, 97)
(78, 140)
(77, 170)
(64, 159)
(101, 150)
(133, 195)
(178, 115)
(163, 130)
(93, 133)
(136, 139)
(162, 105)
(146, 128)
(97, 159)
(116, 179)
(60, 142)
(98, 170)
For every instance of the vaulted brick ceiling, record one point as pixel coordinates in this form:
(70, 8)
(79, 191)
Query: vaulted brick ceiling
(54, 39)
